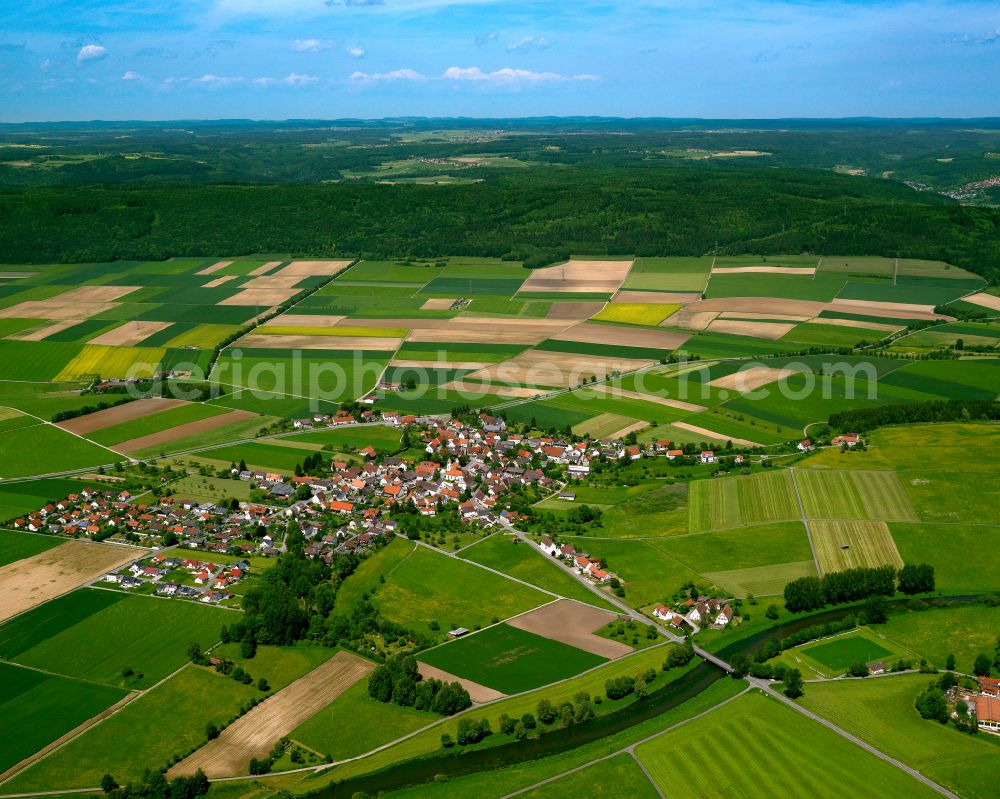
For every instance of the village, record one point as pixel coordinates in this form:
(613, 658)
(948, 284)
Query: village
(469, 468)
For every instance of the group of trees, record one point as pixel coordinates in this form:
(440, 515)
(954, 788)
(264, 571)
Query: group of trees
(313, 465)
(399, 681)
(850, 585)
(620, 687)
(863, 420)
(154, 785)
(933, 704)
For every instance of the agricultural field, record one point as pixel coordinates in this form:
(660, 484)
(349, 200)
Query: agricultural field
(334, 730)
(841, 544)
(157, 725)
(45, 449)
(38, 708)
(427, 586)
(741, 501)
(853, 495)
(634, 313)
(881, 712)
(15, 545)
(510, 660)
(756, 730)
(96, 635)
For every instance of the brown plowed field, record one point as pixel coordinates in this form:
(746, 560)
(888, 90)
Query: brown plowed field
(31, 581)
(574, 310)
(309, 268)
(136, 409)
(265, 342)
(613, 336)
(129, 334)
(208, 270)
(572, 623)
(260, 297)
(182, 431)
(736, 327)
(748, 379)
(255, 734)
(663, 297)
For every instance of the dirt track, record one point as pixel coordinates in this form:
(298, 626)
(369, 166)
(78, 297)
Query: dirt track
(31, 581)
(136, 409)
(573, 624)
(255, 734)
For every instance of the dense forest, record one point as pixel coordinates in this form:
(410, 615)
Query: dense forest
(688, 210)
(528, 190)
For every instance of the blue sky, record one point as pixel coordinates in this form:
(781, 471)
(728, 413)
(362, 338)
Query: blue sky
(275, 59)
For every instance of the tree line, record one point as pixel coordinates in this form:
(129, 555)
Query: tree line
(863, 420)
(851, 585)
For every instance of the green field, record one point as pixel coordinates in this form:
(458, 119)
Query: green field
(649, 573)
(17, 546)
(428, 586)
(853, 495)
(840, 653)
(738, 501)
(944, 546)
(847, 544)
(881, 712)
(29, 495)
(526, 563)
(385, 440)
(94, 634)
(616, 777)
(770, 751)
(964, 631)
(335, 730)
(668, 274)
(209, 489)
(761, 580)
(38, 708)
(48, 450)
(271, 456)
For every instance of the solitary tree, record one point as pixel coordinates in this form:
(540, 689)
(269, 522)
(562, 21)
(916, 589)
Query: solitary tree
(793, 684)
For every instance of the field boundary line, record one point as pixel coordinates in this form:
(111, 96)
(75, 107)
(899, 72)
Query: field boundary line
(805, 521)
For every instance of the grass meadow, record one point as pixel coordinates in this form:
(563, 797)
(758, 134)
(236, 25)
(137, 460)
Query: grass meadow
(522, 561)
(881, 712)
(947, 547)
(48, 450)
(428, 586)
(770, 750)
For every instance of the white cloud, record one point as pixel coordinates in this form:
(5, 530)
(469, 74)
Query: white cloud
(889, 85)
(311, 45)
(45, 65)
(355, 51)
(377, 77)
(529, 43)
(91, 52)
(485, 38)
(510, 77)
(130, 75)
(989, 37)
(291, 79)
(215, 81)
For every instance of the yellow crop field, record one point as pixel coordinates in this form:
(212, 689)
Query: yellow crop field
(96, 359)
(206, 336)
(636, 313)
(366, 332)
